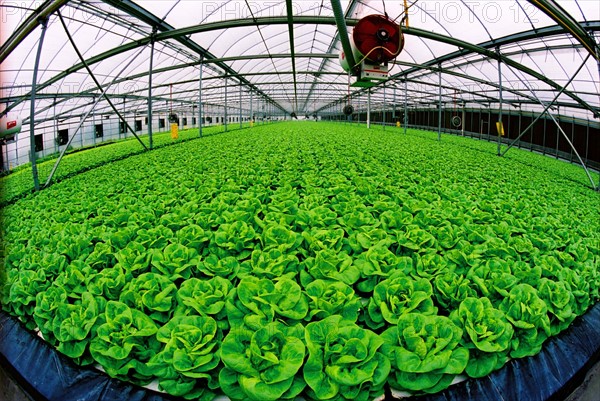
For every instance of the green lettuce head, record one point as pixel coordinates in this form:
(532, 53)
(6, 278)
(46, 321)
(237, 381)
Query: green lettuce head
(263, 365)
(345, 362)
(424, 352)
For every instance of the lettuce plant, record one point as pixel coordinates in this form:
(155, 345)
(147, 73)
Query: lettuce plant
(344, 362)
(151, 293)
(227, 267)
(110, 282)
(424, 352)
(205, 298)
(134, 258)
(46, 308)
(270, 264)
(559, 301)
(398, 295)
(327, 298)
(175, 261)
(195, 237)
(328, 264)
(450, 289)
(263, 365)
(487, 335)
(125, 343)
(72, 326)
(235, 239)
(256, 302)
(529, 315)
(23, 287)
(277, 236)
(377, 263)
(187, 366)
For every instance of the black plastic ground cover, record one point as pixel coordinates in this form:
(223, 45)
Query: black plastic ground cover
(549, 376)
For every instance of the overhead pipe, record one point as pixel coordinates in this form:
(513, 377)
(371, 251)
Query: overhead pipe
(340, 22)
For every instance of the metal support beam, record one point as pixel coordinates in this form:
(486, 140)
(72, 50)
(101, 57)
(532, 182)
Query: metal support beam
(150, 95)
(37, 17)
(225, 106)
(62, 21)
(558, 125)
(84, 117)
(369, 108)
(546, 108)
(241, 126)
(200, 101)
(383, 110)
(405, 105)
(440, 103)
(564, 19)
(290, 17)
(500, 100)
(462, 121)
(32, 153)
(340, 22)
(251, 107)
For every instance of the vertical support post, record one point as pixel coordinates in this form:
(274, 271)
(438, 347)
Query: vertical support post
(557, 135)
(32, 156)
(544, 150)
(251, 106)
(462, 121)
(499, 98)
(440, 103)
(225, 106)
(572, 138)
(240, 105)
(383, 111)
(200, 99)
(520, 125)
(369, 108)
(55, 128)
(94, 127)
(150, 144)
(405, 105)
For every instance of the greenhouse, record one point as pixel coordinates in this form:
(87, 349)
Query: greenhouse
(299, 200)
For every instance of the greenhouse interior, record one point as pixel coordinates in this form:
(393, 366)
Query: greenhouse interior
(300, 200)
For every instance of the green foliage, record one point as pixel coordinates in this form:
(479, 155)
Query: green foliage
(263, 365)
(125, 343)
(487, 335)
(397, 296)
(187, 366)
(344, 362)
(361, 257)
(424, 352)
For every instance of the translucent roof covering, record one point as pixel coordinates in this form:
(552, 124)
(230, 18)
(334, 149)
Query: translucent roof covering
(245, 53)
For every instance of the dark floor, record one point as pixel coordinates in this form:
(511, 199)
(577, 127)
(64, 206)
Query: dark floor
(588, 391)
(9, 390)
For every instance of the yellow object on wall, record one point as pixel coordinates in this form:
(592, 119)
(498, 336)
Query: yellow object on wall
(174, 131)
(500, 128)
(398, 124)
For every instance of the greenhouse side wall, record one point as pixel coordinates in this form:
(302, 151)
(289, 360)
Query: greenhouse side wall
(544, 137)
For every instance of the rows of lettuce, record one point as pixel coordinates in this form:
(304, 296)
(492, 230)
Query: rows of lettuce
(284, 262)
(20, 182)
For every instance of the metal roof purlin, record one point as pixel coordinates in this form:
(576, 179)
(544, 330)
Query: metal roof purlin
(42, 12)
(135, 10)
(564, 19)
